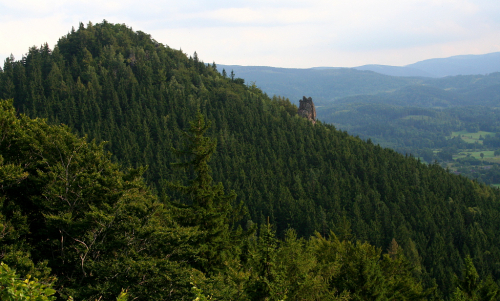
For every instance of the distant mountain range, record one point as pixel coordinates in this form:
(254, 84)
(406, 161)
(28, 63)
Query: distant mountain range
(322, 84)
(441, 67)
(395, 70)
(326, 84)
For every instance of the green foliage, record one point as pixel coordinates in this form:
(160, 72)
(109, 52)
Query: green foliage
(302, 272)
(113, 84)
(471, 288)
(366, 274)
(205, 205)
(287, 105)
(267, 281)
(12, 288)
(103, 228)
(199, 294)
(123, 296)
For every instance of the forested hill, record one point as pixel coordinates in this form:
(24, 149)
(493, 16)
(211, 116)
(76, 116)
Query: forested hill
(113, 84)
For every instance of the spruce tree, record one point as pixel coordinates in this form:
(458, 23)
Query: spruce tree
(203, 204)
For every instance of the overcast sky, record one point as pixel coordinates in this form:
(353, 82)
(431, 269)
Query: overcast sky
(291, 33)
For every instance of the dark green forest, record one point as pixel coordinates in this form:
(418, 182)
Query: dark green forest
(414, 127)
(412, 115)
(172, 180)
(424, 120)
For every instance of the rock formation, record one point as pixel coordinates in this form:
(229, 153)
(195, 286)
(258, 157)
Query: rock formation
(307, 110)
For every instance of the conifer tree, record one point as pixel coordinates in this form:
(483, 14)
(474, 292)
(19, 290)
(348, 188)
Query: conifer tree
(204, 204)
(470, 283)
(268, 280)
(470, 287)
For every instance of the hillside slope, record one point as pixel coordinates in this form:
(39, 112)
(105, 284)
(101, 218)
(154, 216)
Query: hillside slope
(113, 84)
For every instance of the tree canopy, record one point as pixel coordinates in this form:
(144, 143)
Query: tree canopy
(109, 83)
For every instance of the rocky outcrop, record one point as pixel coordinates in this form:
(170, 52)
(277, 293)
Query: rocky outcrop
(307, 110)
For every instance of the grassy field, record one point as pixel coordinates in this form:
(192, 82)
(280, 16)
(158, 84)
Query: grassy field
(488, 156)
(471, 137)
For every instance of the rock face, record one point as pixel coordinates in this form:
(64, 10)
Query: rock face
(307, 110)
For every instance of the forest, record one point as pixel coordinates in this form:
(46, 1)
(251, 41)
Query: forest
(430, 122)
(131, 170)
(412, 115)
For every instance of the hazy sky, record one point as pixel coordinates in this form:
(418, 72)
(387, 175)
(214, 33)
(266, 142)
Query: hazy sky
(291, 33)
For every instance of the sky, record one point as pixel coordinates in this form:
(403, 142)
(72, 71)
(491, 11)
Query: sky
(291, 33)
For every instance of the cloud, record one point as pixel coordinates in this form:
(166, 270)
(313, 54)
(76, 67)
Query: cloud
(17, 35)
(251, 16)
(294, 33)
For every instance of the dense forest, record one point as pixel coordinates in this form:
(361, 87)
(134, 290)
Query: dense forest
(414, 127)
(430, 118)
(261, 205)
(443, 120)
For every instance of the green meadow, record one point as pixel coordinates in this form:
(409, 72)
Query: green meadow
(488, 156)
(471, 137)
